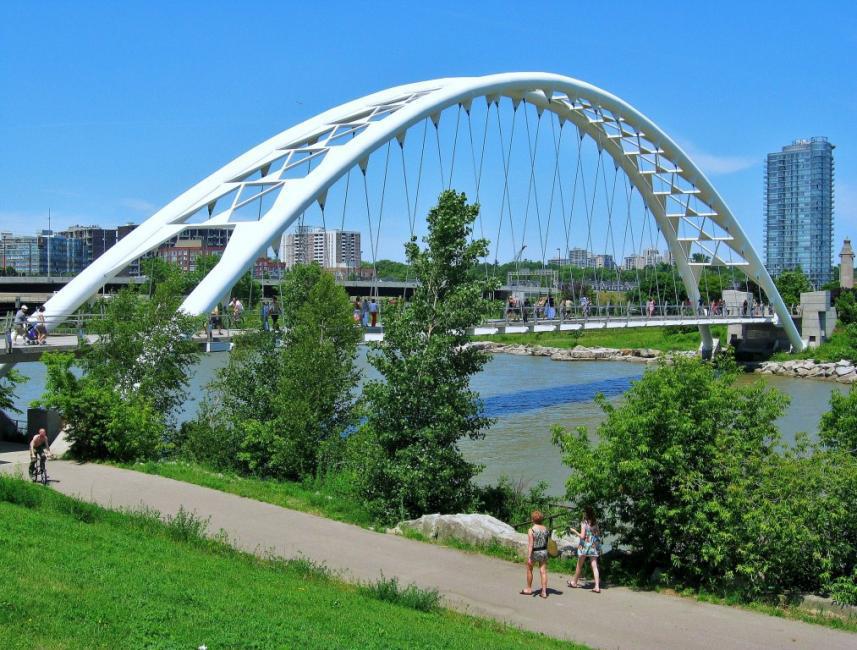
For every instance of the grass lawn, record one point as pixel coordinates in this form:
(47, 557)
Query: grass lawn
(666, 339)
(78, 576)
(329, 499)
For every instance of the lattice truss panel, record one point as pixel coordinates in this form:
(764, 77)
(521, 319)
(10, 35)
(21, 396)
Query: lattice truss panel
(249, 195)
(694, 223)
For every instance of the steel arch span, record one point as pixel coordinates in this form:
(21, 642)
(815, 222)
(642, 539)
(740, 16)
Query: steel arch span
(296, 168)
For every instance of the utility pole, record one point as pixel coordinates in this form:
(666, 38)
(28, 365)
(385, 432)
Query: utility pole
(48, 243)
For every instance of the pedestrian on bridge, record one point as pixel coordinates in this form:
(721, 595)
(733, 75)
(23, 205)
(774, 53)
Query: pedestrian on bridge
(373, 312)
(364, 312)
(21, 322)
(650, 307)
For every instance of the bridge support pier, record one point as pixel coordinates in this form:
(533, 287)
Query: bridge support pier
(709, 345)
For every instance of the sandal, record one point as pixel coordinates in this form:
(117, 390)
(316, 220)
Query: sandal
(543, 595)
(573, 586)
(596, 591)
(525, 593)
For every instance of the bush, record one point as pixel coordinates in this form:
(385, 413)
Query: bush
(388, 590)
(100, 423)
(280, 410)
(512, 502)
(690, 477)
(846, 307)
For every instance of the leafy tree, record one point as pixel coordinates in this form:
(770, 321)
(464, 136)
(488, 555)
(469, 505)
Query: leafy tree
(846, 307)
(684, 442)
(135, 375)
(143, 347)
(8, 382)
(406, 456)
(295, 288)
(690, 476)
(838, 427)
(284, 408)
(100, 422)
(791, 284)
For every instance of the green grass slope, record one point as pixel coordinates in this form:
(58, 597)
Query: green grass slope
(73, 575)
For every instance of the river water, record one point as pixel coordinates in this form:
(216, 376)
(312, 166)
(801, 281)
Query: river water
(527, 396)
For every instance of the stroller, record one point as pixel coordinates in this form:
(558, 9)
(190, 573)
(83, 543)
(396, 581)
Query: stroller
(32, 335)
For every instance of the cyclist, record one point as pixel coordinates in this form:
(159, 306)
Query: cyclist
(39, 447)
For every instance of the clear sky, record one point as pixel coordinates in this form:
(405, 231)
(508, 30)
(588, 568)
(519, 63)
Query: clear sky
(108, 110)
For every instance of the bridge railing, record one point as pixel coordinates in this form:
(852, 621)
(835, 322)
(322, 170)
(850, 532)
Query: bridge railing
(629, 311)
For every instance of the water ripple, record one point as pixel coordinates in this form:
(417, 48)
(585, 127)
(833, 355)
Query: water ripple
(531, 400)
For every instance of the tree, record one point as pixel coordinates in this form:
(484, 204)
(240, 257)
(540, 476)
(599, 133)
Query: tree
(100, 422)
(8, 382)
(684, 442)
(791, 284)
(838, 427)
(846, 307)
(690, 476)
(285, 408)
(143, 345)
(135, 374)
(295, 288)
(406, 457)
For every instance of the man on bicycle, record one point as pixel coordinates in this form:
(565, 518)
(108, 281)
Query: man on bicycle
(38, 448)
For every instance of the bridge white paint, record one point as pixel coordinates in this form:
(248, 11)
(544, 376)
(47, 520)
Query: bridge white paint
(295, 169)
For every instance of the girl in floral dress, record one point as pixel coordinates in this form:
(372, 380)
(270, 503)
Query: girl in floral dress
(589, 547)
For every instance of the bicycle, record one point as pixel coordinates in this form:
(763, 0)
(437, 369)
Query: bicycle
(40, 473)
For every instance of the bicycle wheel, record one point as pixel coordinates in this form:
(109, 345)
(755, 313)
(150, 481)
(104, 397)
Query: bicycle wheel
(43, 474)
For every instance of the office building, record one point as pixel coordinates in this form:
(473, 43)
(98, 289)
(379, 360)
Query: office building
(334, 250)
(799, 209)
(94, 240)
(45, 254)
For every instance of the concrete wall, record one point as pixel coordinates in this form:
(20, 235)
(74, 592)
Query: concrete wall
(818, 318)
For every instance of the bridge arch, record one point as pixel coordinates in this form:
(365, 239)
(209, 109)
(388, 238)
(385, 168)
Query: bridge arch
(296, 168)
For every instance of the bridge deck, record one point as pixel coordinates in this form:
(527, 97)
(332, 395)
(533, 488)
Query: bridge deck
(20, 352)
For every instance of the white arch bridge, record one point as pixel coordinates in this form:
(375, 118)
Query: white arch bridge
(524, 145)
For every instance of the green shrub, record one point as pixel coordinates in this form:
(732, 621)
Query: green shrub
(512, 502)
(100, 423)
(843, 590)
(412, 596)
(690, 477)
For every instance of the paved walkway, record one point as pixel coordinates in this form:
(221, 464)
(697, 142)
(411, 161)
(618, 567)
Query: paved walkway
(617, 618)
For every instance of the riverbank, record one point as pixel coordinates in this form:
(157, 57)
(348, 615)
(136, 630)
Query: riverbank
(842, 371)
(578, 352)
(664, 339)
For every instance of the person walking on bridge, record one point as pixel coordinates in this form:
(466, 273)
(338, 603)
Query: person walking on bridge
(20, 322)
(537, 551)
(373, 312)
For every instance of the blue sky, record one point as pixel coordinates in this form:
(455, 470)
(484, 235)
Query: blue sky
(109, 110)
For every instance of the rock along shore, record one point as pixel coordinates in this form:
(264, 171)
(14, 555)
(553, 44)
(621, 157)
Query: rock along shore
(577, 353)
(843, 371)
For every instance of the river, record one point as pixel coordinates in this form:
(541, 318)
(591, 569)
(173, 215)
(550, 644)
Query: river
(527, 396)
